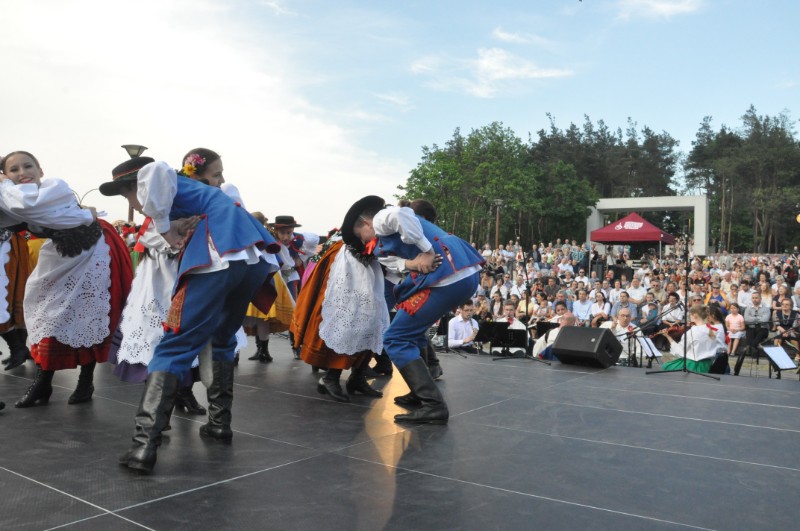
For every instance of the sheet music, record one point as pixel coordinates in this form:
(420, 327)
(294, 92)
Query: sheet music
(648, 347)
(780, 358)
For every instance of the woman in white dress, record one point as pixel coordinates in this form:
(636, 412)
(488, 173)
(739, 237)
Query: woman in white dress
(74, 296)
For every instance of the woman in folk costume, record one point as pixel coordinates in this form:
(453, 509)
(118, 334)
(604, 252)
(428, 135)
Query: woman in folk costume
(701, 342)
(74, 296)
(146, 308)
(340, 318)
(279, 317)
(443, 272)
(13, 277)
(227, 261)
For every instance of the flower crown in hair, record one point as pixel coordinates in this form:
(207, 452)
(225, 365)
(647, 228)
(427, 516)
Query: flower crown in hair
(191, 164)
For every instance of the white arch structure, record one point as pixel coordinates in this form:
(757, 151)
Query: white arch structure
(698, 204)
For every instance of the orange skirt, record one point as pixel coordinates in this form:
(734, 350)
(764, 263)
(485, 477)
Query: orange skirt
(308, 316)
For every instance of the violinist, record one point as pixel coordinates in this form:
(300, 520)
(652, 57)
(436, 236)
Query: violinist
(700, 343)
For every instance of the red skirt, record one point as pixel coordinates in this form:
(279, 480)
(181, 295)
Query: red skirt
(53, 355)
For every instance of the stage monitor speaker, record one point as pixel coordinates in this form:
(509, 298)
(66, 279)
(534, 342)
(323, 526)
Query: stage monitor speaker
(595, 347)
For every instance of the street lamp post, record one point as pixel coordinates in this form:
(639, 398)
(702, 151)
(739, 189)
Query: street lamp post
(134, 150)
(498, 203)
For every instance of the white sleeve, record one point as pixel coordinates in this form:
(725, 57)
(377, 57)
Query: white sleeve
(451, 335)
(393, 263)
(233, 192)
(403, 221)
(310, 242)
(51, 205)
(158, 184)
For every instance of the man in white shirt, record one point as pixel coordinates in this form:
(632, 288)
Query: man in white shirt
(462, 329)
(745, 295)
(636, 292)
(624, 331)
(547, 340)
(582, 308)
(582, 277)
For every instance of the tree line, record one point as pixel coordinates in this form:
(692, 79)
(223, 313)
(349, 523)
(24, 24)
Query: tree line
(546, 184)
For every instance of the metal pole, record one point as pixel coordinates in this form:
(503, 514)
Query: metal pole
(497, 229)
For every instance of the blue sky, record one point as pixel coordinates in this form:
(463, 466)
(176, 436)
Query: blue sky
(314, 103)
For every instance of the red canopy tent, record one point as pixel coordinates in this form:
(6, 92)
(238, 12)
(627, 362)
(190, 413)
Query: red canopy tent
(630, 229)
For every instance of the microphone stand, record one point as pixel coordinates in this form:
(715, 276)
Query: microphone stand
(639, 328)
(685, 369)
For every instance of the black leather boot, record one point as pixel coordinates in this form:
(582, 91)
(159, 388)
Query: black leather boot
(433, 409)
(157, 402)
(263, 354)
(39, 391)
(329, 384)
(433, 362)
(188, 403)
(85, 388)
(409, 401)
(17, 348)
(383, 365)
(220, 402)
(357, 383)
(255, 356)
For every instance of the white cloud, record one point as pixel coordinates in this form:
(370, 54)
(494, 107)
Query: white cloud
(278, 7)
(494, 70)
(398, 99)
(656, 8)
(522, 38)
(174, 75)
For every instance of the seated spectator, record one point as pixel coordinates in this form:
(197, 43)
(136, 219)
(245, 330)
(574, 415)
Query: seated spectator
(561, 297)
(582, 308)
(484, 314)
(716, 295)
(500, 287)
(636, 292)
(600, 309)
(735, 324)
(786, 322)
(782, 294)
(496, 305)
(624, 303)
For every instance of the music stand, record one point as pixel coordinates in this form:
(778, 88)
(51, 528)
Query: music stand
(779, 359)
(507, 339)
(649, 349)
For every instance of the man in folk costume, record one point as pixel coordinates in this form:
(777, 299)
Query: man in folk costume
(444, 271)
(14, 254)
(225, 264)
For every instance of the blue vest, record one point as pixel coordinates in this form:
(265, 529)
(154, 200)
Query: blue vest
(456, 253)
(230, 226)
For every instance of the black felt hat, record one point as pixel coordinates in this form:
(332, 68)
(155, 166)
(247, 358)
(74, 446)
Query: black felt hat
(283, 222)
(124, 173)
(371, 203)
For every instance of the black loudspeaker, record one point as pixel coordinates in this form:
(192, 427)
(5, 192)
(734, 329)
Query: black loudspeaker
(596, 347)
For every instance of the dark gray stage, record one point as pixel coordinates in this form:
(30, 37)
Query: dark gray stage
(528, 447)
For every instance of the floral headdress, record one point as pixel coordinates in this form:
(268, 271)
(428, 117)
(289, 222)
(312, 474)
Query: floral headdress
(191, 164)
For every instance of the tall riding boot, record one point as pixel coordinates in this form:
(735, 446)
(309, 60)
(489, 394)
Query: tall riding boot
(85, 388)
(383, 364)
(357, 382)
(255, 356)
(329, 384)
(220, 402)
(17, 348)
(433, 362)
(39, 391)
(263, 352)
(157, 402)
(410, 400)
(433, 408)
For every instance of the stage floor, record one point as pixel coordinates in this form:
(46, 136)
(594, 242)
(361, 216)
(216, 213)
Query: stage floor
(528, 447)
